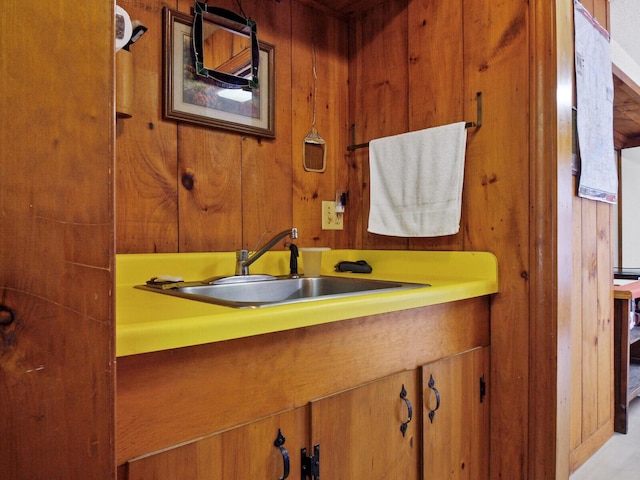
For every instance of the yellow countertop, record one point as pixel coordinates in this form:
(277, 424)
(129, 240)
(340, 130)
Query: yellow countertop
(148, 321)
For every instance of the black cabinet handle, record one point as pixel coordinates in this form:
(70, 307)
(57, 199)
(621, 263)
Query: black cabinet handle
(432, 386)
(403, 396)
(6, 316)
(279, 442)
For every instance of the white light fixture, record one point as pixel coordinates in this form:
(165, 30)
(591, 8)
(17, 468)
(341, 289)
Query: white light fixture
(237, 95)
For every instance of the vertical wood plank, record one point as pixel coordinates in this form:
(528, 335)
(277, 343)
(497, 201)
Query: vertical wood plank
(592, 341)
(327, 40)
(496, 203)
(436, 81)
(436, 63)
(353, 173)
(576, 330)
(57, 244)
(267, 176)
(381, 93)
(590, 320)
(210, 190)
(604, 236)
(562, 265)
(605, 313)
(600, 11)
(146, 149)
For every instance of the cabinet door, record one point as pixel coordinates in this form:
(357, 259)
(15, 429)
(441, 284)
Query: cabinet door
(359, 431)
(245, 452)
(456, 417)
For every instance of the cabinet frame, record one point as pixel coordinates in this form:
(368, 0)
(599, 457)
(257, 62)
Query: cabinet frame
(625, 389)
(214, 387)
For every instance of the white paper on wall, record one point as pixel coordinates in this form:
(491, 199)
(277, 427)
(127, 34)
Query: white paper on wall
(594, 92)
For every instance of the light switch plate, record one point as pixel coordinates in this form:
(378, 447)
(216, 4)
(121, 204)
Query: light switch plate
(330, 219)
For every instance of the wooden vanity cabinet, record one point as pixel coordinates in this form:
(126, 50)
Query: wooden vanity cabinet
(371, 431)
(626, 345)
(456, 416)
(248, 451)
(361, 433)
(213, 411)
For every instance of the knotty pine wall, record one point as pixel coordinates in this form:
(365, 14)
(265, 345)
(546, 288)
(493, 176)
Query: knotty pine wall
(57, 337)
(592, 315)
(455, 49)
(400, 66)
(242, 185)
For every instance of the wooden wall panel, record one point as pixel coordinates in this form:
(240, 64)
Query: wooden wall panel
(592, 320)
(353, 174)
(267, 177)
(327, 41)
(605, 314)
(497, 198)
(576, 328)
(411, 64)
(146, 148)
(436, 81)
(381, 94)
(589, 269)
(209, 190)
(185, 188)
(550, 274)
(209, 180)
(436, 63)
(246, 179)
(57, 243)
(592, 317)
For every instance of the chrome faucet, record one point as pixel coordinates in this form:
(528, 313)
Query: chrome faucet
(244, 260)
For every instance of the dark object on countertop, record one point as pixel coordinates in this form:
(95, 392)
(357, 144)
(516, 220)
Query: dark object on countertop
(361, 266)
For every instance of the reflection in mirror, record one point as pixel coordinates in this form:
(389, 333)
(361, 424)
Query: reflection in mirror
(225, 46)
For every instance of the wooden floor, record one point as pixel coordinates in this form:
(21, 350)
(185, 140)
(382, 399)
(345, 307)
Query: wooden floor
(619, 458)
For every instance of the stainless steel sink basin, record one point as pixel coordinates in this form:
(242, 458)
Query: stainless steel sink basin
(279, 291)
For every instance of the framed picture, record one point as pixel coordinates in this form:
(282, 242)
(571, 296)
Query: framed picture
(193, 98)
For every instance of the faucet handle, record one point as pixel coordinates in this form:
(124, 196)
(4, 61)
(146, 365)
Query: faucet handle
(241, 257)
(294, 233)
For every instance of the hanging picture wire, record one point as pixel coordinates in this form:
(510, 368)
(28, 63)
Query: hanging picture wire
(314, 151)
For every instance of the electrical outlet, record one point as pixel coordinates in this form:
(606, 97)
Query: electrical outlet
(330, 219)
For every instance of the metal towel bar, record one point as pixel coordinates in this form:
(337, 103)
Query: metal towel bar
(476, 124)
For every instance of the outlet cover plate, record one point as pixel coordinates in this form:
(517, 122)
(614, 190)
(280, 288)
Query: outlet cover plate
(330, 219)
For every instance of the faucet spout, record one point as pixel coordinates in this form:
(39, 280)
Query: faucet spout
(244, 260)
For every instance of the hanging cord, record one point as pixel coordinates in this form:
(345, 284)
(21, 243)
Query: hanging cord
(259, 242)
(239, 3)
(315, 88)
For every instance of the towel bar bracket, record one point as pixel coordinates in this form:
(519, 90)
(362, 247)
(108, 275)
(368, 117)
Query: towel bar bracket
(476, 124)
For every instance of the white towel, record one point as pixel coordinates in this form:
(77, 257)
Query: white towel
(416, 182)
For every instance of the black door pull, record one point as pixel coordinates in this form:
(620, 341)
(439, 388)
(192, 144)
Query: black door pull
(279, 443)
(403, 396)
(432, 386)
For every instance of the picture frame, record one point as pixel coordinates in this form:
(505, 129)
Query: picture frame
(189, 97)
